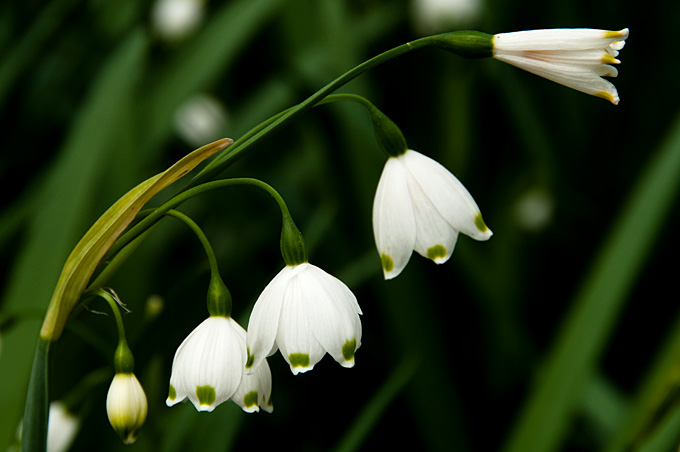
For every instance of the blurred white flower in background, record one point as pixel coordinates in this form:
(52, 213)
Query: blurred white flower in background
(200, 119)
(534, 209)
(174, 20)
(62, 428)
(439, 16)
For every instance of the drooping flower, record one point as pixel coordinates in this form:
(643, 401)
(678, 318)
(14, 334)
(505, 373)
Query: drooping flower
(208, 369)
(62, 427)
(419, 205)
(126, 406)
(306, 313)
(574, 57)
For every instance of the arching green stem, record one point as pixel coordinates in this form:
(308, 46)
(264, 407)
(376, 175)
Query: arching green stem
(123, 361)
(388, 135)
(154, 216)
(219, 298)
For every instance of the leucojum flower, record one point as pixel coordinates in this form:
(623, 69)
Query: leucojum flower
(208, 365)
(208, 369)
(306, 313)
(576, 57)
(419, 205)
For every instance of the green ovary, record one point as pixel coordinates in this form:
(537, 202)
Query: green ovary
(205, 394)
(299, 359)
(436, 252)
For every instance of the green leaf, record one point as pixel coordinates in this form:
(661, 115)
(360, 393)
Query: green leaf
(87, 254)
(572, 360)
(34, 433)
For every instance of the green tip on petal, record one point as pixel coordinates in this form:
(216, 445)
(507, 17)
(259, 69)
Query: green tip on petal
(172, 394)
(479, 222)
(206, 395)
(299, 359)
(436, 252)
(348, 350)
(387, 263)
(250, 361)
(250, 399)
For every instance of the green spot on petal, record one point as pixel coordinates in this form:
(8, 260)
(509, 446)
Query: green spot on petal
(387, 263)
(250, 399)
(299, 359)
(205, 394)
(172, 393)
(348, 350)
(479, 222)
(250, 360)
(436, 252)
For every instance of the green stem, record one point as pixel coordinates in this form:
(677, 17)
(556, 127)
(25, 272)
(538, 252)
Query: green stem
(387, 133)
(463, 43)
(219, 298)
(201, 237)
(153, 217)
(123, 361)
(239, 146)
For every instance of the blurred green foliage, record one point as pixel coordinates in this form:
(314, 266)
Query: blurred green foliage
(555, 335)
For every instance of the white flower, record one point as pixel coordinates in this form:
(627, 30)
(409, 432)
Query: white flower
(438, 16)
(126, 406)
(61, 427)
(574, 57)
(176, 19)
(306, 313)
(208, 369)
(419, 205)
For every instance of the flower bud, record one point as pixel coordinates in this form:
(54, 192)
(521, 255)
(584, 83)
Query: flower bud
(126, 406)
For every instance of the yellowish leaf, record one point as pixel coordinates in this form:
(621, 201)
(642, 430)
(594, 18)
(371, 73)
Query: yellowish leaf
(87, 254)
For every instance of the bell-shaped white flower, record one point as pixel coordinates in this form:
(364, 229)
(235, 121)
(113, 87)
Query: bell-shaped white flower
(208, 369)
(62, 427)
(419, 205)
(574, 57)
(126, 406)
(306, 313)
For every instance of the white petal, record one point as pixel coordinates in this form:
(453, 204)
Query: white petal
(333, 314)
(435, 238)
(264, 319)
(62, 427)
(451, 199)
(255, 388)
(576, 77)
(296, 341)
(211, 358)
(394, 224)
(557, 39)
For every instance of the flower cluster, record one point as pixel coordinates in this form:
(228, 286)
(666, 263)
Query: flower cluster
(306, 313)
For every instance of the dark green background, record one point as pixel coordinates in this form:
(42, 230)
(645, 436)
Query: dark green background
(575, 320)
